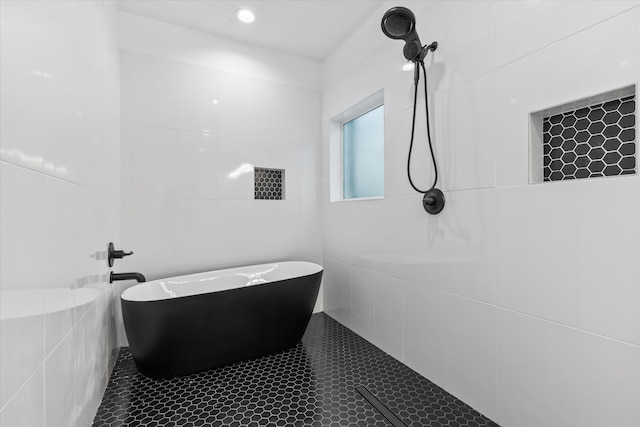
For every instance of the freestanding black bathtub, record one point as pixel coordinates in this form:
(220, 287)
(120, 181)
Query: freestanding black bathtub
(186, 324)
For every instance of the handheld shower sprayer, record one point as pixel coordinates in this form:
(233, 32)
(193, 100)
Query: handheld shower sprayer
(399, 23)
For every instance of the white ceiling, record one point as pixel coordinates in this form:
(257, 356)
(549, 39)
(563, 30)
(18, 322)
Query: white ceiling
(308, 28)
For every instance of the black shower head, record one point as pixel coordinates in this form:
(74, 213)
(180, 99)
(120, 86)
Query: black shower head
(400, 23)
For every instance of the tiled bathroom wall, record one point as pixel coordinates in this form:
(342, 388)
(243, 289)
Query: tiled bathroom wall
(194, 128)
(59, 207)
(521, 299)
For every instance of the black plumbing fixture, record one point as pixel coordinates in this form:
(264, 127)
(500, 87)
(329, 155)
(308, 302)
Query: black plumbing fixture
(399, 23)
(113, 253)
(126, 276)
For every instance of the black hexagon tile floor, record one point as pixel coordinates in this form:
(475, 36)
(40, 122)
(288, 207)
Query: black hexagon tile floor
(312, 384)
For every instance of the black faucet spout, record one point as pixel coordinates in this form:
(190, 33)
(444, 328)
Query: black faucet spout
(126, 276)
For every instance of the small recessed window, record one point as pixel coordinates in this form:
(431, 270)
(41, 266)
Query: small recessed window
(363, 155)
(357, 151)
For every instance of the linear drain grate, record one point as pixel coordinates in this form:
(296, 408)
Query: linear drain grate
(380, 407)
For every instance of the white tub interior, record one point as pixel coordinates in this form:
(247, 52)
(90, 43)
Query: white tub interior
(219, 280)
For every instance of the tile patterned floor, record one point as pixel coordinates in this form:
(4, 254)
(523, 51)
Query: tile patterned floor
(312, 384)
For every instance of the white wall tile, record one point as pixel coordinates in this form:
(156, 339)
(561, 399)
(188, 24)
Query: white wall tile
(154, 97)
(60, 315)
(21, 65)
(80, 97)
(470, 239)
(537, 372)
(608, 251)
(541, 80)
(466, 37)
(64, 208)
(27, 406)
(609, 382)
(251, 108)
(524, 27)
(592, 12)
(274, 221)
(537, 258)
(22, 225)
(150, 230)
(100, 360)
(197, 165)
(638, 320)
(126, 167)
(197, 98)
(617, 42)
(235, 225)
(343, 239)
(90, 370)
(60, 377)
(127, 64)
(387, 314)
(422, 337)
(385, 250)
(337, 291)
(199, 242)
(466, 154)
(362, 302)
(154, 162)
(469, 352)
(422, 240)
(236, 161)
(67, 146)
(21, 339)
(309, 242)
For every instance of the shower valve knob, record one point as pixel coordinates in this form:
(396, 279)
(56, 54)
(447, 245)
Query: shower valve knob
(113, 253)
(433, 201)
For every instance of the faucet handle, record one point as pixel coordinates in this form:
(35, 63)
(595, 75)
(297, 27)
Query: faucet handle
(113, 253)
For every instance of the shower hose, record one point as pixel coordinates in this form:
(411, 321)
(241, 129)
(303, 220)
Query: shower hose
(413, 126)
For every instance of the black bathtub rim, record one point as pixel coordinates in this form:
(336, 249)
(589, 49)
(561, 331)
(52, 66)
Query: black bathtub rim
(213, 292)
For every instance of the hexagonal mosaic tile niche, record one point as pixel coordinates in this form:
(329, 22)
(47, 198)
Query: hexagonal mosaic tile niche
(268, 184)
(594, 137)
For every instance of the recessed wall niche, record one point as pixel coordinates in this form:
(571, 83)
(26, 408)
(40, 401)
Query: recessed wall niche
(268, 184)
(591, 137)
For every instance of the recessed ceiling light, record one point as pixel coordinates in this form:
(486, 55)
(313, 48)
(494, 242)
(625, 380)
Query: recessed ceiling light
(245, 15)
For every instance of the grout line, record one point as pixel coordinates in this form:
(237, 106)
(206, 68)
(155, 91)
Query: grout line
(57, 178)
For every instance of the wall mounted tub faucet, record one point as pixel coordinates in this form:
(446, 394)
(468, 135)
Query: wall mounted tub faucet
(126, 276)
(113, 253)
